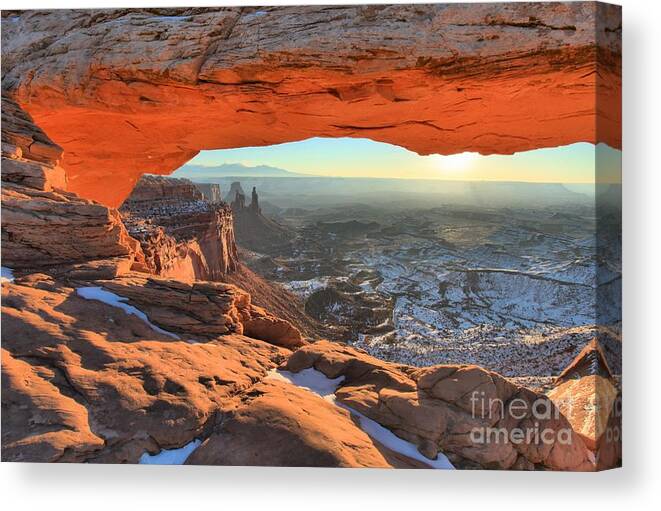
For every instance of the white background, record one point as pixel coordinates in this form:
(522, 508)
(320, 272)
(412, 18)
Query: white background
(636, 486)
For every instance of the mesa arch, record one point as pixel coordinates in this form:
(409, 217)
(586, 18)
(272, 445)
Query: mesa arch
(125, 92)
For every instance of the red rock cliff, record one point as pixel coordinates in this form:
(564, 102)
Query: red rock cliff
(182, 235)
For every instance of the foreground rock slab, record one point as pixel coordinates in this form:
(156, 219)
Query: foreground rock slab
(84, 381)
(281, 425)
(451, 409)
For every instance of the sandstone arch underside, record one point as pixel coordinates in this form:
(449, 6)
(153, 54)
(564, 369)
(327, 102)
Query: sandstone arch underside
(125, 92)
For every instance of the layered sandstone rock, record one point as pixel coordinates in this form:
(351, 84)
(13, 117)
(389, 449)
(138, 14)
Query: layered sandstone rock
(153, 192)
(182, 235)
(451, 409)
(49, 228)
(202, 310)
(29, 157)
(131, 91)
(186, 237)
(42, 224)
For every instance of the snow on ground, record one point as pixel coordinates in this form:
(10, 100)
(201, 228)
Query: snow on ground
(386, 437)
(504, 289)
(105, 296)
(304, 288)
(476, 305)
(310, 379)
(317, 382)
(7, 275)
(170, 456)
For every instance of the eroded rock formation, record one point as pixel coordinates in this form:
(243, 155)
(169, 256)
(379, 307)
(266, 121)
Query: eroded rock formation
(210, 191)
(106, 84)
(183, 235)
(253, 230)
(433, 408)
(43, 224)
(234, 193)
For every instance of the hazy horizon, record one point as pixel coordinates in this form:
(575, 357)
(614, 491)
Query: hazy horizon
(364, 158)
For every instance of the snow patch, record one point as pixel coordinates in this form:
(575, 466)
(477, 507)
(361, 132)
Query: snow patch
(105, 296)
(7, 275)
(304, 288)
(310, 379)
(170, 456)
(386, 437)
(320, 384)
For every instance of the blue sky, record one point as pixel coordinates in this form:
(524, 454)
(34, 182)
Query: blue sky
(363, 157)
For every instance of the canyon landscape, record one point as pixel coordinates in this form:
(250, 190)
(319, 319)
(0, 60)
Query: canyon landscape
(418, 264)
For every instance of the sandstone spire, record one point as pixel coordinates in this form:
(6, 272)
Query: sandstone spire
(254, 203)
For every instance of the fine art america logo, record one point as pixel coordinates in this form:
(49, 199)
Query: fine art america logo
(534, 420)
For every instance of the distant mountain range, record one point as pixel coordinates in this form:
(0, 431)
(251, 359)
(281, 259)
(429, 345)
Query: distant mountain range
(197, 172)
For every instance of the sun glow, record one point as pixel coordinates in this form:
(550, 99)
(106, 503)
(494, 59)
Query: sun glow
(454, 162)
(361, 157)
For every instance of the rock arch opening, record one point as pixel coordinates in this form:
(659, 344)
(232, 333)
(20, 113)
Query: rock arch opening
(335, 236)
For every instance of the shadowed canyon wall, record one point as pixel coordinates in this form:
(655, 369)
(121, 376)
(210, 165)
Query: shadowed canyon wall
(125, 92)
